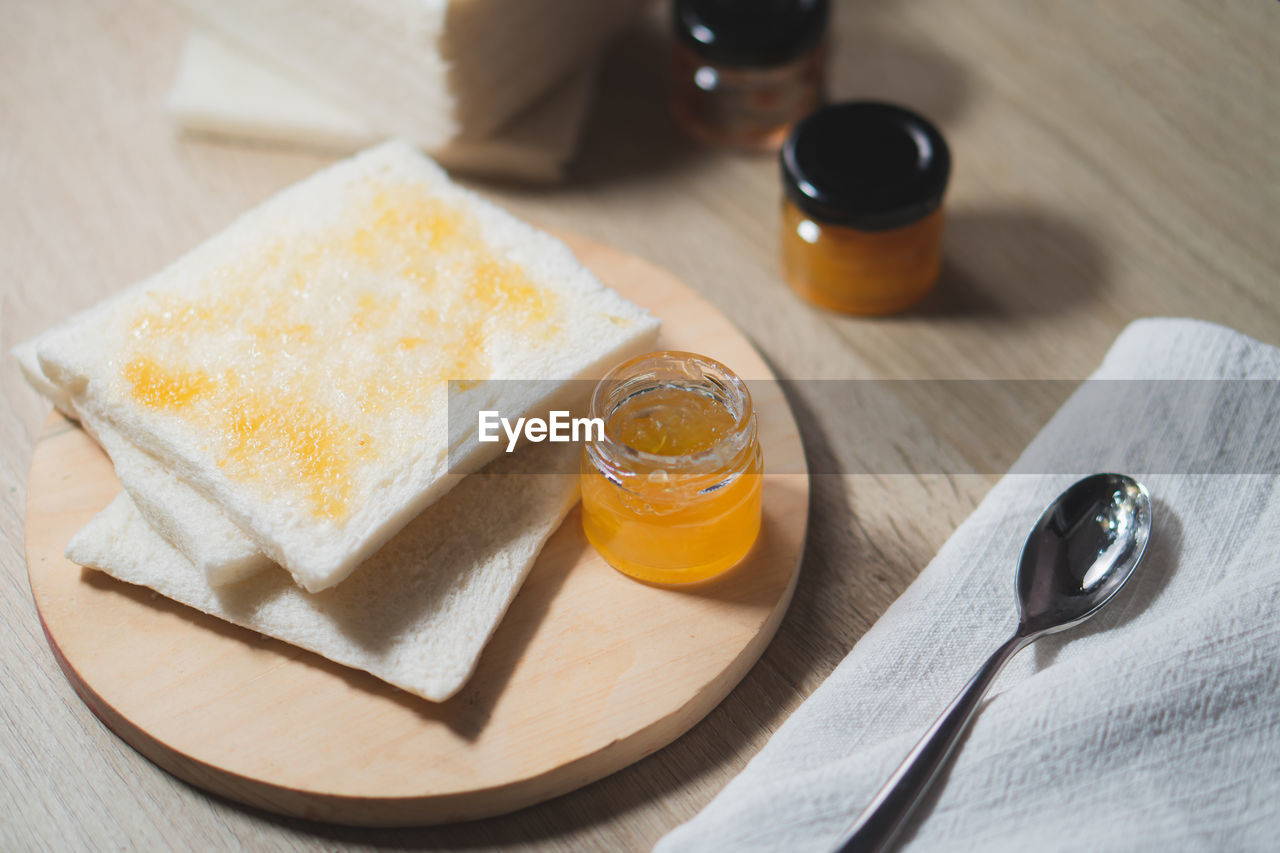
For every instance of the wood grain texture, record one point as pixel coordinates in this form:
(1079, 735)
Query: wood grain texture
(588, 672)
(1113, 160)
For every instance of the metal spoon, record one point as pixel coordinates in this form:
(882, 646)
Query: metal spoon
(1081, 551)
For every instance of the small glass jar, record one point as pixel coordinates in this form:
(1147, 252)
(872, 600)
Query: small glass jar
(746, 70)
(672, 493)
(862, 210)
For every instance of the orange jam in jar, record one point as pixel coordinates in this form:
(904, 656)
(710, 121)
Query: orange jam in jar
(672, 492)
(862, 213)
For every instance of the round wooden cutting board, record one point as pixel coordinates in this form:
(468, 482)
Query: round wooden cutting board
(588, 672)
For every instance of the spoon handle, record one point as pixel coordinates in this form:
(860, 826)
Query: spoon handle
(881, 820)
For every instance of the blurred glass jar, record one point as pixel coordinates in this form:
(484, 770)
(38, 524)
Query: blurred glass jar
(862, 211)
(746, 70)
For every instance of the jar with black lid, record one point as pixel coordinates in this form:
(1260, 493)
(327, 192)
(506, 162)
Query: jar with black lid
(746, 70)
(862, 211)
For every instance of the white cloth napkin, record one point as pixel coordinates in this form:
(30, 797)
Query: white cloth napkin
(1155, 726)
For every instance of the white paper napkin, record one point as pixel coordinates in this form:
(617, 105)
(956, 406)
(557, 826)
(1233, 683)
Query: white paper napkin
(1155, 726)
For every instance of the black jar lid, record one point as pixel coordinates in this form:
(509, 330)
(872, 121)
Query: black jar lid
(867, 165)
(750, 33)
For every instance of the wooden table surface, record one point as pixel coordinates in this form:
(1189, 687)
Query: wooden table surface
(1112, 161)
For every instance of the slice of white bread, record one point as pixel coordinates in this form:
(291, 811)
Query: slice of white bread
(189, 521)
(430, 71)
(223, 91)
(417, 614)
(197, 528)
(292, 369)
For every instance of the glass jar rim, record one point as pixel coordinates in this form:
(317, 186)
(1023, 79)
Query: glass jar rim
(635, 376)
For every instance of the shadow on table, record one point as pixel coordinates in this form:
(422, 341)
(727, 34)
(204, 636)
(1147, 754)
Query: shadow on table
(1014, 264)
(628, 133)
(866, 63)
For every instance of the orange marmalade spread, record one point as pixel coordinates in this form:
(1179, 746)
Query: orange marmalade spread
(672, 494)
(279, 358)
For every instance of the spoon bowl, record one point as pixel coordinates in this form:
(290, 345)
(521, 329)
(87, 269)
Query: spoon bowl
(1084, 547)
